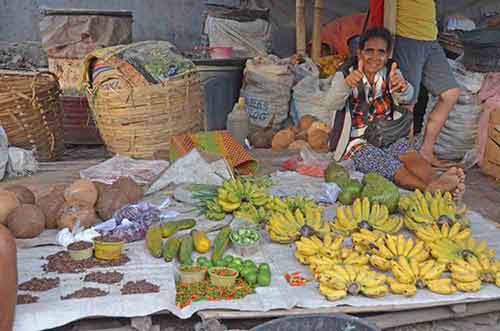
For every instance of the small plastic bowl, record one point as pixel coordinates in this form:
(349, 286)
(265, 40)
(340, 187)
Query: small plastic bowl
(245, 250)
(222, 281)
(190, 277)
(81, 254)
(107, 250)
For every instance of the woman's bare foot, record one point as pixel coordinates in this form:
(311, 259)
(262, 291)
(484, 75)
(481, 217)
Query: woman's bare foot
(447, 182)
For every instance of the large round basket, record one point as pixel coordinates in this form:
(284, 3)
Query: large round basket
(31, 113)
(138, 121)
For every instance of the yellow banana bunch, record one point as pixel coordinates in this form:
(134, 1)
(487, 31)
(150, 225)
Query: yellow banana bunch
(290, 203)
(214, 211)
(441, 286)
(488, 268)
(435, 232)
(321, 263)
(288, 227)
(391, 247)
(352, 280)
(251, 213)
(465, 277)
(471, 247)
(409, 274)
(426, 209)
(363, 215)
(234, 192)
(364, 240)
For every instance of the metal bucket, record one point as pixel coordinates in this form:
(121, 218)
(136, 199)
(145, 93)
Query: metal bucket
(317, 322)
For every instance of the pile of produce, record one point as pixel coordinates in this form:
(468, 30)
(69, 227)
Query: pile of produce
(310, 132)
(27, 217)
(441, 256)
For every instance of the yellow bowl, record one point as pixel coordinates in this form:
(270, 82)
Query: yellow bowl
(108, 250)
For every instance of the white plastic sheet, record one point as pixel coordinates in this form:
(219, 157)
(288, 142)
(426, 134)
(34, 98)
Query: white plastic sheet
(51, 312)
(141, 171)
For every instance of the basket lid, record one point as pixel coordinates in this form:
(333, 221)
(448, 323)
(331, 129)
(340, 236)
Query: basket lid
(482, 37)
(77, 12)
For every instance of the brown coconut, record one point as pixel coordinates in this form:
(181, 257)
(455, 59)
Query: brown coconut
(110, 200)
(71, 214)
(23, 194)
(318, 139)
(8, 202)
(127, 185)
(26, 221)
(51, 205)
(298, 144)
(81, 193)
(318, 125)
(282, 139)
(306, 121)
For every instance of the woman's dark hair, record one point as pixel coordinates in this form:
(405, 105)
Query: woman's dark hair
(377, 32)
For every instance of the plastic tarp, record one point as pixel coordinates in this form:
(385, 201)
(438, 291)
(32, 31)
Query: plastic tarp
(51, 312)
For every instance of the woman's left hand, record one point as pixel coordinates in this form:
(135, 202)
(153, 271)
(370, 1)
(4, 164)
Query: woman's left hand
(398, 83)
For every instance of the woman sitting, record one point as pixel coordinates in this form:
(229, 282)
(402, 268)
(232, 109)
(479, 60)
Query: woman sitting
(369, 89)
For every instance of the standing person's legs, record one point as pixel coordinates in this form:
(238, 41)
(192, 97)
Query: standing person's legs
(439, 80)
(8, 279)
(410, 56)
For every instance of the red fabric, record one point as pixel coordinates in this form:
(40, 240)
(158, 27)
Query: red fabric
(336, 33)
(376, 13)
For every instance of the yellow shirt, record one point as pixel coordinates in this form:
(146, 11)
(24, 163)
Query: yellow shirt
(416, 19)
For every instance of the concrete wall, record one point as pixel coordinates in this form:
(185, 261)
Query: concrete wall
(180, 21)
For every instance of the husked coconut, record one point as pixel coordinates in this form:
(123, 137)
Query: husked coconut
(26, 221)
(318, 125)
(71, 214)
(82, 193)
(282, 139)
(51, 205)
(318, 139)
(298, 144)
(128, 186)
(8, 202)
(23, 194)
(110, 200)
(306, 121)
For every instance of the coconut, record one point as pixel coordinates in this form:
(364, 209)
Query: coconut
(26, 221)
(318, 139)
(82, 193)
(298, 144)
(8, 202)
(110, 200)
(306, 121)
(23, 194)
(318, 125)
(127, 185)
(71, 214)
(282, 139)
(51, 205)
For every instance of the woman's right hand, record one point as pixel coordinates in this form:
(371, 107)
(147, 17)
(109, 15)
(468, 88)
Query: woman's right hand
(355, 76)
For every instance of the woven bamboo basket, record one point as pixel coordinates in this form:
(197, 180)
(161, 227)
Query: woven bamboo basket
(31, 113)
(138, 121)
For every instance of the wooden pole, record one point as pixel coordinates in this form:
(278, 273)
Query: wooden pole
(316, 37)
(300, 27)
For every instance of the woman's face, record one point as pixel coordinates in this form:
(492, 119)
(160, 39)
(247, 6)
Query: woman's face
(374, 55)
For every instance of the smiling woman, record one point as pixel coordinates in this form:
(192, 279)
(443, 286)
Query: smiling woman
(371, 89)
